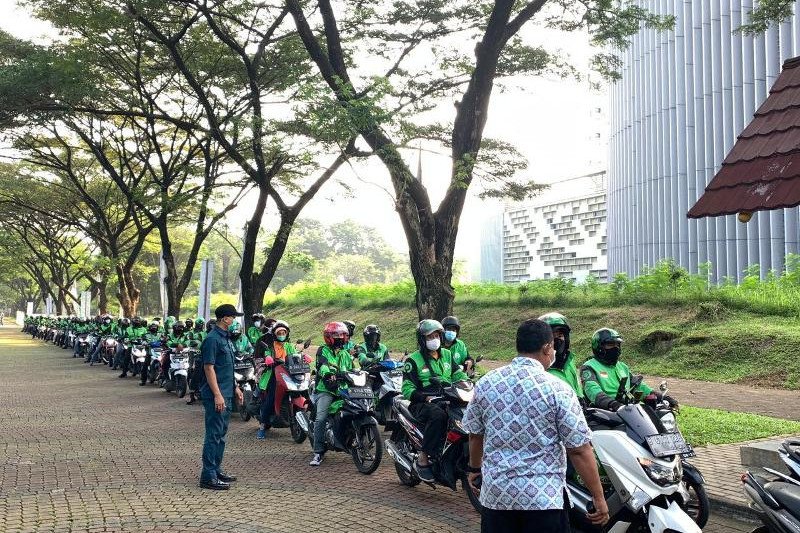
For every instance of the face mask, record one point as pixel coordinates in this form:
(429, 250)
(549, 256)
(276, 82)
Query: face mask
(450, 336)
(433, 344)
(610, 356)
(338, 343)
(235, 335)
(257, 323)
(281, 338)
(561, 353)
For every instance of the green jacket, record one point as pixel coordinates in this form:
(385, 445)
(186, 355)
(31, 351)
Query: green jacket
(417, 373)
(601, 382)
(263, 381)
(242, 345)
(569, 374)
(366, 357)
(196, 338)
(459, 351)
(173, 340)
(331, 362)
(253, 334)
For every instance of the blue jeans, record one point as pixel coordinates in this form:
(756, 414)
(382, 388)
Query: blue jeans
(322, 402)
(214, 443)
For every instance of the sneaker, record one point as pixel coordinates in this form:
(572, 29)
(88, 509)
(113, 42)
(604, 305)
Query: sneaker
(317, 460)
(262, 434)
(425, 473)
(123, 375)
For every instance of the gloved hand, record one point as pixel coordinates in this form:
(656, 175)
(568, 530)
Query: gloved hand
(331, 383)
(306, 358)
(269, 361)
(614, 405)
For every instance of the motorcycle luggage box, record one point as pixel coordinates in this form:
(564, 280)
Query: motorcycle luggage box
(787, 495)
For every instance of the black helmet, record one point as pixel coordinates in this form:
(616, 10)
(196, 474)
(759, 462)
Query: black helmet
(189, 324)
(210, 324)
(142, 323)
(178, 328)
(124, 322)
(136, 321)
(604, 336)
(351, 326)
(372, 335)
(153, 327)
(451, 322)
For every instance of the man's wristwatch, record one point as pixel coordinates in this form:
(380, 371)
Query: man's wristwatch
(472, 470)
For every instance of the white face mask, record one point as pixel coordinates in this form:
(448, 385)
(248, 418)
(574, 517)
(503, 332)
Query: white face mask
(257, 323)
(433, 344)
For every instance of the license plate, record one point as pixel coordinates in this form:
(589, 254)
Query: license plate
(668, 444)
(360, 393)
(396, 374)
(242, 366)
(298, 369)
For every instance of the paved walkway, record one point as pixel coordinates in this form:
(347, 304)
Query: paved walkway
(81, 450)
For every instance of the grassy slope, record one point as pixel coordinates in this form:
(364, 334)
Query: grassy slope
(706, 343)
(712, 426)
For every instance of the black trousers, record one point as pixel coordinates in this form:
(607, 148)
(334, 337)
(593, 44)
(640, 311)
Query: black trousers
(434, 418)
(550, 521)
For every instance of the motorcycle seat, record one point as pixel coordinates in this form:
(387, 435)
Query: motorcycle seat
(402, 406)
(786, 494)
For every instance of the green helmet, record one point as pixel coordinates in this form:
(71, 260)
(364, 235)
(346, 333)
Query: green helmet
(602, 336)
(428, 326)
(168, 322)
(234, 327)
(556, 320)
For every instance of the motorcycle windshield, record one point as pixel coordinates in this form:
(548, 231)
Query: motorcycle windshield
(640, 422)
(391, 365)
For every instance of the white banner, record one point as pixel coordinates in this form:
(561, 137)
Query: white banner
(86, 304)
(204, 296)
(29, 309)
(20, 318)
(48, 306)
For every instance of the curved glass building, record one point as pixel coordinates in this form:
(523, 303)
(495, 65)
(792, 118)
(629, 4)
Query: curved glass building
(684, 97)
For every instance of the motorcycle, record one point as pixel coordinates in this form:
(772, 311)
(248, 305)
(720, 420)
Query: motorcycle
(789, 453)
(244, 372)
(292, 396)
(406, 440)
(641, 464)
(85, 342)
(119, 355)
(386, 379)
(776, 502)
(138, 356)
(178, 372)
(154, 368)
(108, 349)
(351, 427)
(92, 340)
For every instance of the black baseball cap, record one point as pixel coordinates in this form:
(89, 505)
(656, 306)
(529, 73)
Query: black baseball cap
(226, 310)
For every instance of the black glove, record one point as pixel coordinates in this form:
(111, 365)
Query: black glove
(331, 383)
(613, 405)
(673, 403)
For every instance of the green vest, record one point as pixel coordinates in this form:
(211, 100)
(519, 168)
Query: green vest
(607, 379)
(253, 334)
(330, 362)
(459, 351)
(569, 374)
(417, 376)
(366, 357)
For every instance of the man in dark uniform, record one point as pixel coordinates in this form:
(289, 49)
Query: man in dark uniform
(218, 389)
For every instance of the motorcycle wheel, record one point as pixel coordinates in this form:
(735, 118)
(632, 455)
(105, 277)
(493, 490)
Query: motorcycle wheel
(761, 529)
(181, 385)
(473, 498)
(244, 413)
(298, 435)
(400, 440)
(369, 441)
(699, 507)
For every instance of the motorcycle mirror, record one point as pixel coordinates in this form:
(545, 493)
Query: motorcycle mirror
(636, 381)
(663, 386)
(479, 359)
(622, 385)
(307, 343)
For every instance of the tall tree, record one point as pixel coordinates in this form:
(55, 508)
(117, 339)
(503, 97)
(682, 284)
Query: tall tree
(386, 64)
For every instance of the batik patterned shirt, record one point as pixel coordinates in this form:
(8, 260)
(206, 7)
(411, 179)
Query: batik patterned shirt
(528, 418)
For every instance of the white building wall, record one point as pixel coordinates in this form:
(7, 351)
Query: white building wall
(558, 235)
(684, 97)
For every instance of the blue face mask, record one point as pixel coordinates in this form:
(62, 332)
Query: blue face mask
(450, 336)
(281, 338)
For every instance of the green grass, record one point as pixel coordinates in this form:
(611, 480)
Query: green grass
(670, 340)
(712, 426)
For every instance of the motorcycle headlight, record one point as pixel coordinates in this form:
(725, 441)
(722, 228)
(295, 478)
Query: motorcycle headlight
(669, 422)
(659, 474)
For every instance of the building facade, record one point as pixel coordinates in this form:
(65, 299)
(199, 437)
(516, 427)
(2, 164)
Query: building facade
(561, 234)
(683, 98)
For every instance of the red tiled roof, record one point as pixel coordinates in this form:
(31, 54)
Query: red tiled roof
(762, 171)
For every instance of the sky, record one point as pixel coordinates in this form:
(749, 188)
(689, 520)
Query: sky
(558, 125)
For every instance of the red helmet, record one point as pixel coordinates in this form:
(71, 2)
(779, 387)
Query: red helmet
(334, 330)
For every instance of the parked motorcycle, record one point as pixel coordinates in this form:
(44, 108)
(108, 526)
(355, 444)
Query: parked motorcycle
(351, 428)
(406, 441)
(108, 349)
(138, 356)
(641, 462)
(777, 502)
(292, 394)
(154, 366)
(386, 379)
(86, 341)
(177, 379)
(244, 372)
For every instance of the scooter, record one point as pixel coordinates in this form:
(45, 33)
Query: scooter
(292, 394)
(777, 503)
(386, 379)
(177, 379)
(641, 462)
(406, 441)
(138, 357)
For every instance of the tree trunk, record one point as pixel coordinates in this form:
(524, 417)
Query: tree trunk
(127, 294)
(99, 291)
(250, 299)
(171, 281)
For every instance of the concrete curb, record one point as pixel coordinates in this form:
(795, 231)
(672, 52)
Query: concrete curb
(733, 509)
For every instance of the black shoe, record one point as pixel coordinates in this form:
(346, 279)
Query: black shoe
(141, 383)
(225, 478)
(425, 473)
(123, 375)
(214, 484)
